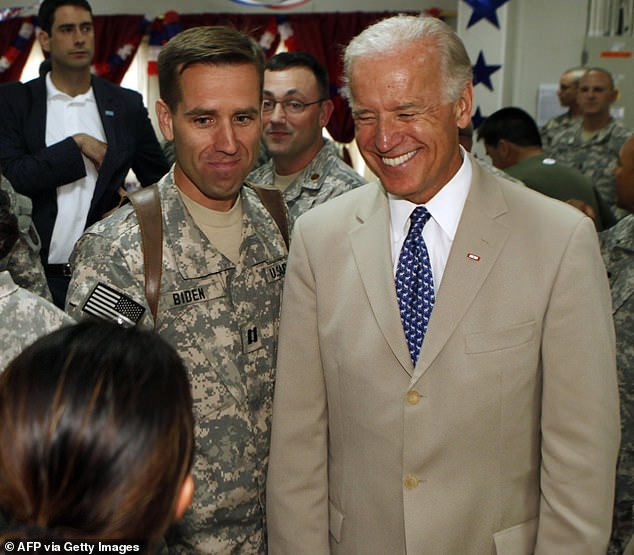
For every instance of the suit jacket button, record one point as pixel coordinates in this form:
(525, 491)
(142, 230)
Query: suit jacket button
(413, 397)
(411, 482)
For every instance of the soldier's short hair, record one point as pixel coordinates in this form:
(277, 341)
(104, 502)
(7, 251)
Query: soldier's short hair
(46, 13)
(512, 124)
(576, 73)
(211, 45)
(600, 70)
(398, 32)
(298, 58)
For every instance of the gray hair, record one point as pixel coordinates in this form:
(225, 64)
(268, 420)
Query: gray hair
(401, 31)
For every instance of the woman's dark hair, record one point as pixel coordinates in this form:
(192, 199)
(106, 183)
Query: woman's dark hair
(96, 434)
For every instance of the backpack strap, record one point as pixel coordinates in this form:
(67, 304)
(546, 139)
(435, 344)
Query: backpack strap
(273, 201)
(147, 206)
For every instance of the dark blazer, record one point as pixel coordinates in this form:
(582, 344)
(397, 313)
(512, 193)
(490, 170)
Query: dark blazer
(36, 170)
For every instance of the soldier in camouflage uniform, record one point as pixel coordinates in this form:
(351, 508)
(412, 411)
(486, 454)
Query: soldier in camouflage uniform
(296, 108)
(592, 144)
(24, 315)
(567, 93)
(617, 246)
(24, 260)
(220, 312)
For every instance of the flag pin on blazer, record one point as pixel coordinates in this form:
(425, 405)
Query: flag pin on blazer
(472, 256)
(109, 112)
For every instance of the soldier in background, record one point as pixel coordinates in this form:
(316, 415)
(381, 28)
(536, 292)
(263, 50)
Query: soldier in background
(567, 93)
(223, 260)
(513, 143)
(24, 315)
(593, 142)
(304, 165)
(617, 246)
(23, 262)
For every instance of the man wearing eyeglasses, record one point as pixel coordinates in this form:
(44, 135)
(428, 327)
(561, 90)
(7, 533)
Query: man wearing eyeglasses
(296, 107)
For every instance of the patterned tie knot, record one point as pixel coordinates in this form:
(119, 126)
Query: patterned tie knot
(418, 219)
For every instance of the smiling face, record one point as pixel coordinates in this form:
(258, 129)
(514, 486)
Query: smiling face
(294, 139)
(216, 131)
(72, 39)
(406, 131)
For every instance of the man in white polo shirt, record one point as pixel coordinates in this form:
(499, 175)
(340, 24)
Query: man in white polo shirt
(68, 139)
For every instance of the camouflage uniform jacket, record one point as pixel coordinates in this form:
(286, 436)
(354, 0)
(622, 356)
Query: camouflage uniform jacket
(24, 259)
(25, 317)
(554, 126)
(595, 158)
(327, 176)
(617, 246)
(223, 320)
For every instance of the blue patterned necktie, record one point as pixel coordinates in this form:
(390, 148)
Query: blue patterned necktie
(415, 283)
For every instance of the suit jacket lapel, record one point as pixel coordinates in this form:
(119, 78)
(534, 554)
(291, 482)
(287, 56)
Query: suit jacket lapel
(371, 249)
(37, 118)
(478, 242)
(107, 108)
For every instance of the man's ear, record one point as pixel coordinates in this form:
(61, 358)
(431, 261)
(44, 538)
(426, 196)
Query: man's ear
(44, 39)
(184, 497)
(503, 146)
(164, 115)
(327, 108)
(463, 106)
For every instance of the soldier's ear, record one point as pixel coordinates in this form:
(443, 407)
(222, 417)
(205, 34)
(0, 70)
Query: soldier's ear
(327, 107)
(165, 120)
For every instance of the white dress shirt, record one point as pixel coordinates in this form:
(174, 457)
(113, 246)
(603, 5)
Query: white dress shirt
(65, 116)
(445, 208)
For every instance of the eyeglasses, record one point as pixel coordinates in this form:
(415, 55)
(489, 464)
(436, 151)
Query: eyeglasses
(289, 106)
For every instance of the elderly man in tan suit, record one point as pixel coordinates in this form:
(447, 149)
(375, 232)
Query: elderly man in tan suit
(499, 434)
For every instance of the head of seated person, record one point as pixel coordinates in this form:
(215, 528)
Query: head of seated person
(96, 436)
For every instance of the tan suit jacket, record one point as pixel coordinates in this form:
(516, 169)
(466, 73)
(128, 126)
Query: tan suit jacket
(504, 437)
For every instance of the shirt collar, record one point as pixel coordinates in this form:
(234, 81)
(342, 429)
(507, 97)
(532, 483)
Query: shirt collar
(53, 92)
(445, 206)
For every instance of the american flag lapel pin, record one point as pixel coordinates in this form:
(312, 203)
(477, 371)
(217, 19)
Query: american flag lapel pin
(473, 256)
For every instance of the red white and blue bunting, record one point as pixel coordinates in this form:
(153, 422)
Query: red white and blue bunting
(21, 41)
(18, 11)
(122, 54)
(279, 27)
(161, 31)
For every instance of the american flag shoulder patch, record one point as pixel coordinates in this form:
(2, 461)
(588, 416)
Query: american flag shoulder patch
(109, 304)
